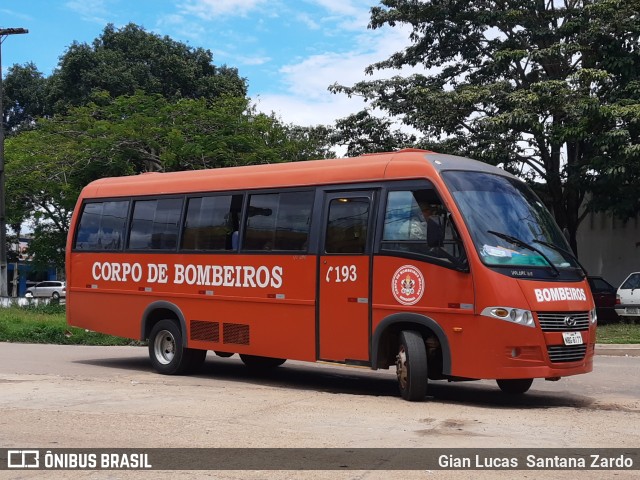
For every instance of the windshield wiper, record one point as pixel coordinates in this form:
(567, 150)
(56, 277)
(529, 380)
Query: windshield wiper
(522, 243)
(565, 252)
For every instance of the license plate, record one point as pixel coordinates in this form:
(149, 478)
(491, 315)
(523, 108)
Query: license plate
(632, 310)
(572, 338)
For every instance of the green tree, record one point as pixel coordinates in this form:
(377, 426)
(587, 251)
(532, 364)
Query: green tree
(48, 166)
(24, 90)
(123, 61)
(364, 133)
(548, 88)
(131, 102)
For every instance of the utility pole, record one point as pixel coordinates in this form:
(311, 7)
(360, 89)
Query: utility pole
(4, 33)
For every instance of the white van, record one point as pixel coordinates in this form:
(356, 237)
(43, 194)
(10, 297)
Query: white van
(50, 289)
(628, 297)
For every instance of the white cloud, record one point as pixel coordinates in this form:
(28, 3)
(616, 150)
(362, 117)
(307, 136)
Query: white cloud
(351, 15)
(303, 111)
(255, 60)
(20, 16)
(306, 99)
(210, 9)
(307, 20)
(298, 92)
(177, 24)
(91, 10)
(348, 8)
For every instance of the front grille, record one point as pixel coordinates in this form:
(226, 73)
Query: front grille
(566, 353)
(563, 321)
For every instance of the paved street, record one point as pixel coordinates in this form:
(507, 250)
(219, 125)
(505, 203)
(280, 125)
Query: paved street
(107, 397)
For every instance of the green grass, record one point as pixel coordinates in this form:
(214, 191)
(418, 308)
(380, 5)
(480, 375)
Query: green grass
(618, 333)
(47, 324)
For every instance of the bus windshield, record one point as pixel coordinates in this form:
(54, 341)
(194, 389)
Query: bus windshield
(508, 223)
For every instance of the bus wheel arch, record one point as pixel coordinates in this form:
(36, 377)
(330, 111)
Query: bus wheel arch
(386, 340)
(163, 324)
(158, 311)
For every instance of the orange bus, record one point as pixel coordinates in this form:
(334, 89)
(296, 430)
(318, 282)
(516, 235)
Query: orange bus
(441, 266)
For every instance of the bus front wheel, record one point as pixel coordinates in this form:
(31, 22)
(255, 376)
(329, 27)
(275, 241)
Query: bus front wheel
(411, 366)
(516, 386)
(168, 355)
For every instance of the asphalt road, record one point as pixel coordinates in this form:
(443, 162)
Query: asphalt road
(108, 397)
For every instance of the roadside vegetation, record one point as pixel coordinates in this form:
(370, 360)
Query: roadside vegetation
(47, 324)
(619, 333)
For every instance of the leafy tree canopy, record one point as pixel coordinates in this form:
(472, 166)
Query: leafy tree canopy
(128, 103)
(131, 134)
(24, 91)
(123, 61)
(548, 88)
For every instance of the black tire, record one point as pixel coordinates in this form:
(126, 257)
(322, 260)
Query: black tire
(197, 358)
(516, 386)
(261, 363)
(411, 366)
(55, 296)
(223, 354)
(168, 355)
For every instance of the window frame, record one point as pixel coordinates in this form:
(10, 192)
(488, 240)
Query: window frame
(417, 184)
(371, 195)
(157, 198)
(312, 215)
(185, 211)
(127, 219)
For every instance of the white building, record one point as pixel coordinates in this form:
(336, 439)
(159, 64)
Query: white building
(609, 247)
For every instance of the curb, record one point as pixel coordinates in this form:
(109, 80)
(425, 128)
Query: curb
(618, 350)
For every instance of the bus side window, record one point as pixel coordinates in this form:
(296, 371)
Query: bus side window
(211, 222)
(278, 221)
(154, 225)
(417, 222)
(102, 226)
(347, 227)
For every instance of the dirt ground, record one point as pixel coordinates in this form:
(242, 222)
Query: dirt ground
(108, 397)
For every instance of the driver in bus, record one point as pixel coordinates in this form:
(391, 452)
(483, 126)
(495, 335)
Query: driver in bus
(425, 227)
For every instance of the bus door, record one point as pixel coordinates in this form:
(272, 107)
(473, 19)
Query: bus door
(344, 277)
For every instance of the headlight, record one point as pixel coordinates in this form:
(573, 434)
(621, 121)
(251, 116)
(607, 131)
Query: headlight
(594, 316)
(510, 314)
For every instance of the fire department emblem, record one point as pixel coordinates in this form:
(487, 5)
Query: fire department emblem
(407, 285)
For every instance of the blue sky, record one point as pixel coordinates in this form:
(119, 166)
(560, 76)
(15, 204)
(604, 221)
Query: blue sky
(290, 51)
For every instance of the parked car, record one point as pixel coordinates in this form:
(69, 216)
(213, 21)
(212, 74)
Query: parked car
(50, 289)
(628, 298)
(604, 296)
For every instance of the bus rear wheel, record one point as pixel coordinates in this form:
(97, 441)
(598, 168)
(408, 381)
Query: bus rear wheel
(167, 353)
(261, 363)
(516, 386)
(411, 366)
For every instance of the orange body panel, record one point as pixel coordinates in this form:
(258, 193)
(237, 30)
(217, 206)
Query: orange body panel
(344, 303)
(310, 307)
(277, 303)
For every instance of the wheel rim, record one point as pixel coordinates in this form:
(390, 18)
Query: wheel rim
(401, 367)
(164, 347)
